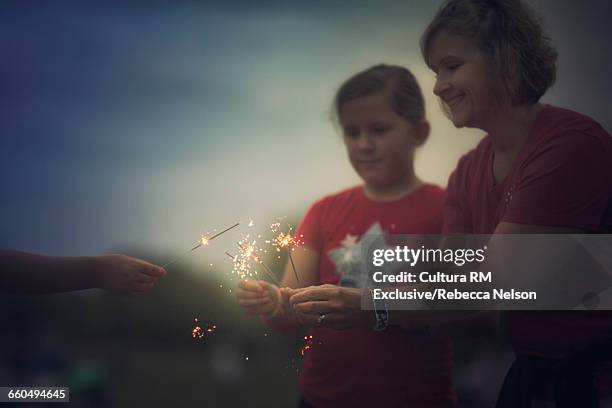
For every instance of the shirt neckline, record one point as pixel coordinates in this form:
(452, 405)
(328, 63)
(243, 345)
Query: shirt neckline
(497, 187)
(408, 196)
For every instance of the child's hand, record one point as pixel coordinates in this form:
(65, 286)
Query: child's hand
(126, 275)
(259, 297)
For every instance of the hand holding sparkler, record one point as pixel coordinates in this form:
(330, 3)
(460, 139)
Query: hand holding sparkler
(331, 306)
(37, 274)
(262, 298)
(258, 297)
(126, 275)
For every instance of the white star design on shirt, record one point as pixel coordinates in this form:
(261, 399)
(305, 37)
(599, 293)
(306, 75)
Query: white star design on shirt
(350, 240)
(349, 259)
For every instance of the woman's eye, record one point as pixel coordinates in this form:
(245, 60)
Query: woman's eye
(453, 67)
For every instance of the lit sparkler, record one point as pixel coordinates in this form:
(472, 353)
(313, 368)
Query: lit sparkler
(203, 241)
(248, 252)
(287, 242)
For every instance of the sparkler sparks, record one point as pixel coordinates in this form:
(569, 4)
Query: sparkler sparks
(287, 242)
(199, 333)
(307, 346)
(309, 343)
(203, 241)
(248, 253)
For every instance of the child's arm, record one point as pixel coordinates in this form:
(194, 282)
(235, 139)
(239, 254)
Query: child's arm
(26, 273)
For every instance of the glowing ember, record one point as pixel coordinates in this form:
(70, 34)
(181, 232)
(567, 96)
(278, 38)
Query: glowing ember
(287, 242)
(243, 259)
(308, 345)
(247, 254)
(203, 241)
(199, 333)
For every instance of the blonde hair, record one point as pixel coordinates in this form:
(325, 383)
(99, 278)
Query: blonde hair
(510, 33)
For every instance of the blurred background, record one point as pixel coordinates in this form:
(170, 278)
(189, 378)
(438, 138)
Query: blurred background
(137, 126)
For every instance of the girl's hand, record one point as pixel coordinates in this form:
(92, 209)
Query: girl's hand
(259, 297)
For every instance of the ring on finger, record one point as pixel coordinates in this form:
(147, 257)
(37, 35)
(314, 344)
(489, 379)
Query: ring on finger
(321, 319)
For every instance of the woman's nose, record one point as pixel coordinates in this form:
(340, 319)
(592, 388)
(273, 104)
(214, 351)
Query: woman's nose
(440, 86)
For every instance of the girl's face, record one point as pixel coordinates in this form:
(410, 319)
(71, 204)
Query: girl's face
(380, 143)
(464, 80)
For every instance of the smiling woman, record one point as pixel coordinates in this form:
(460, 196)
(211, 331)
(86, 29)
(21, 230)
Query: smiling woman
(464, 80)
(540, 170)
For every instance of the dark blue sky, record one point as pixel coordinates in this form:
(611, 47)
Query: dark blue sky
(147, 123)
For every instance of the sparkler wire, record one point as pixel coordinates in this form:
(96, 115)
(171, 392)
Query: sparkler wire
(200, 244)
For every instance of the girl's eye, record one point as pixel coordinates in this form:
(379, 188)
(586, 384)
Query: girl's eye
(380, 130)
(351, 133)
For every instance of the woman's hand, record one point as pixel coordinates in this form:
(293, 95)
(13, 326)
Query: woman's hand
(331, 306)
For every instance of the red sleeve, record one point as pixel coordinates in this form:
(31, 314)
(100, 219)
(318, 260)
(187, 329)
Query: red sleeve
(310, 227)
(566, 184)
(457, 218)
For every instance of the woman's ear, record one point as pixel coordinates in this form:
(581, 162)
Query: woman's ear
(422, 129)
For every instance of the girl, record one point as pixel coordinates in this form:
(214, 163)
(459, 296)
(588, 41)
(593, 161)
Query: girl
(540, 169)
(382, 117)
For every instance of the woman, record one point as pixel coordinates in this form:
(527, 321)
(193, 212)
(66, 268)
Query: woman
(540, 169)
